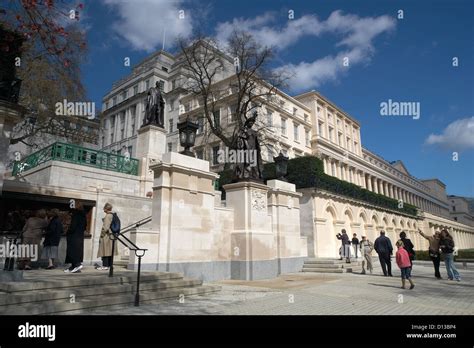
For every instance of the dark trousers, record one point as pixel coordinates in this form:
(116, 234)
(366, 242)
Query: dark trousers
(106, 261)
(436, 261)
(386, 263)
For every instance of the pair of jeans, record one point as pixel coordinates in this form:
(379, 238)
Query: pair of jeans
(386, 263)
(355, 249)
(436, 261)
(450, 268)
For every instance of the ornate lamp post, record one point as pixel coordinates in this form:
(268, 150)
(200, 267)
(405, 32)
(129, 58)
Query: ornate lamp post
(281, 166)
(187, 136)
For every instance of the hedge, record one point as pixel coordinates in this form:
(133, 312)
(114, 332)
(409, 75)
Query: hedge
(422, 255)
(308, 172)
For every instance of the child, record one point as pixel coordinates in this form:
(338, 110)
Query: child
(403, 261)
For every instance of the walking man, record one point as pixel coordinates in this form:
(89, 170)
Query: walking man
(355, 244)
(384, 249)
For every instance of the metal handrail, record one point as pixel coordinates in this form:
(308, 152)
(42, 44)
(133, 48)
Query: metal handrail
(71, 153)
(139, 252)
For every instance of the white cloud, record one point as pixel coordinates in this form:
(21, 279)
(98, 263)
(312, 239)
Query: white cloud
(356, 36)
(457, 136)
(142, 22)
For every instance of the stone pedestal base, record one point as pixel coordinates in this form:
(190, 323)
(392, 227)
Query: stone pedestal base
(253, 243)
(151, 145)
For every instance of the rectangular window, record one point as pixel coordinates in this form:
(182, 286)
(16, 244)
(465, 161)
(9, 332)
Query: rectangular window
(147, 85)
(122, 133)
(215, 155)
(283, 126)
(307, 138)
(269, 119)
(356, 147)
(124, 95)
(217, 118)
(114, 101)
(135, 90)
(348, 142)
(295, 131)
(170, 147)
(170, 128)
(339, 139)
(233, 113)
(306, 118)
(162, 85)
(112, 137)
(320, 129)
(200, 122)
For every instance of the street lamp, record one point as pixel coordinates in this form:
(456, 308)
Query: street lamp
(281, 166)
(187, 136)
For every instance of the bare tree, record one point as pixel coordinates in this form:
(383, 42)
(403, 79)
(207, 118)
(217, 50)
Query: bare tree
(243, 65)
(51, 55)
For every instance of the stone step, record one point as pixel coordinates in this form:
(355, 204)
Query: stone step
(85, 303)
(323, 270)
(79, 280)
(321, 265)
(82, 292)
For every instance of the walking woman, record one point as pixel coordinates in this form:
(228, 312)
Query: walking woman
(446, 244)
(105, 243)
(75, 239)
(54, 231)
(408, 246)
(366, 248)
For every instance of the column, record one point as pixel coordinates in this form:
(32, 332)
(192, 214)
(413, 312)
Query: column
(325, 164)
(362, 179)
(379, 186)
(374, 184)
(369, 182)
(385, 189)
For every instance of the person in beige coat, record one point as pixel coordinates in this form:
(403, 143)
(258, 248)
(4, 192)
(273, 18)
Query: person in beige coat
(32, 234)
(105, 243)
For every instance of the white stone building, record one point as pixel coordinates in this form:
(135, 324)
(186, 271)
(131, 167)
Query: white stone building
(306, 124)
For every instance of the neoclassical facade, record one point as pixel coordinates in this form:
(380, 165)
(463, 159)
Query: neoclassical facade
(305, 124)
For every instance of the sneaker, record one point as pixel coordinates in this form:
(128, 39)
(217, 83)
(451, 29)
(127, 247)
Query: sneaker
(77, 269)
(103, 268)
(412, 286)
(458, 279)
(67, 270)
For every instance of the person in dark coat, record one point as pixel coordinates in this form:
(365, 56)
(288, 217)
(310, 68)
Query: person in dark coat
(75, 239)
(446, 244)
(355, 244)
(384, 248)
(54, 231)
(408, 246)
(346, 245)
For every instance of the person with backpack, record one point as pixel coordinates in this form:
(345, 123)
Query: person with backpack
(105, 242)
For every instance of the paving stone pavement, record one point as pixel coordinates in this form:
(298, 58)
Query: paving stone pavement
(325, 294)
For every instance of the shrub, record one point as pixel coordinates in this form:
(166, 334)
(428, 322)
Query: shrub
(308, 171)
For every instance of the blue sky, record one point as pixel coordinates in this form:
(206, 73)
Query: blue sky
(406, 60)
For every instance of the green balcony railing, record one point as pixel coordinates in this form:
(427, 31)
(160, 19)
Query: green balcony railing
(78, 155)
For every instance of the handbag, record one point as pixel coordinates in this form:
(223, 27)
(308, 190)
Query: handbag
(433, 253)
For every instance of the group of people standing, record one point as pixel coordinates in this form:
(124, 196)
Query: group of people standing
(440, 243)
(48, 225)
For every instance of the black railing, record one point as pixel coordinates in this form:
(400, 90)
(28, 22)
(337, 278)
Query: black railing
(139, 252)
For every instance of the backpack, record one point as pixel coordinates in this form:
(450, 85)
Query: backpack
(115, 225)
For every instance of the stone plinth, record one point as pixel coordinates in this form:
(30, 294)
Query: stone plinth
(253, 243)
(151, 145)
(284, 205)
